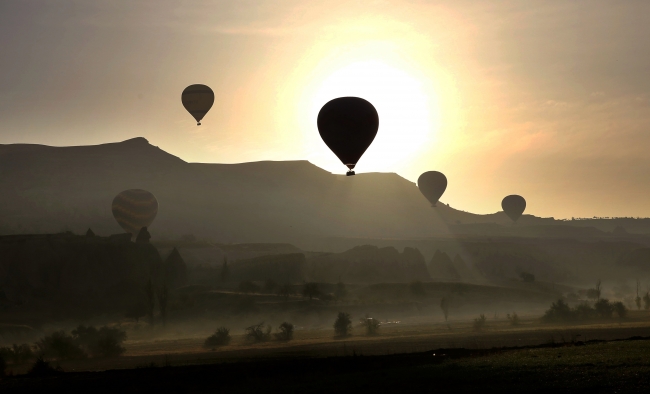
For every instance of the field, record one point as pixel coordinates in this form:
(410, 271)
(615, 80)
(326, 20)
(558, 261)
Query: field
(528, 356)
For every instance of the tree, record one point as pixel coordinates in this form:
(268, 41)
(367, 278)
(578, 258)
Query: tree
(595, 292)
(90, 233)
(60, 346)
(285, 291)
(480, 323)
(514, 318)
(343, 325)
(143, 235)
(3, 366)
(646, 301)
(559, 311)
(151, 301)
(417, 288)
(256, 332)
(286, 332)
(220, 337)
(163, 297)
(310, 290)
(604, 308)
(102, 342)
(637, 300)
(225, 270)
(620, 309)
(444, 305)
(340, 291)
(371, 325)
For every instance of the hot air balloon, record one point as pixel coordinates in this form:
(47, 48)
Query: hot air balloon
(348, 125)
(134, 209)
(432, 184)
(197, 100)
(513, 205)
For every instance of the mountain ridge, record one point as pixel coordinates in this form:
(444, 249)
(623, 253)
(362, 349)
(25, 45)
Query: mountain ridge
(50, 189)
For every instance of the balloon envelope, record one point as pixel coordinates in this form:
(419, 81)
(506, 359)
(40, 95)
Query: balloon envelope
(134, 209)
(513, 206)
(197, 100)
(432, 184)
(348, 125)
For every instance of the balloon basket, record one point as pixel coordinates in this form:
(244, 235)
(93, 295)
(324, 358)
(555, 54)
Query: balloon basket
(350, 173)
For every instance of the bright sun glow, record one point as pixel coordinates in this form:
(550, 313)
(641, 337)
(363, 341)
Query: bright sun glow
(406, 122)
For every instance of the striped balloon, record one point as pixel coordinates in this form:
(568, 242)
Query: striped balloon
(197, 100)
(134, 209)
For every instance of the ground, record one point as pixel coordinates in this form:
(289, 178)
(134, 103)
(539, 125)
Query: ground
(418, 356)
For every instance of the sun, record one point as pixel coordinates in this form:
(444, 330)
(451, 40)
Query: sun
(406, 119)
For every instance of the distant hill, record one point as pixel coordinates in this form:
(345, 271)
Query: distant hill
(51, 189)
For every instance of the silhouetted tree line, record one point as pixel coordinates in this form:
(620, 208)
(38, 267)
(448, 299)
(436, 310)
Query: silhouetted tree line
(82, 342)
(561, 312)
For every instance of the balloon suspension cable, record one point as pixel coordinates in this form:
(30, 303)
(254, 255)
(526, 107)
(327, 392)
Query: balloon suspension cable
(350, 173)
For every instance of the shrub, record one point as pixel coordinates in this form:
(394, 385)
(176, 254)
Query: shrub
(60, 346)
(17, 354)
(221, 337)
(248, 287)
(256, 333)
(371, 325)
(514, 319)
(604, 308)
(286, 332)
(559, 311)
(480, 323)
(620, 309)
(343, 325)
(105, 342)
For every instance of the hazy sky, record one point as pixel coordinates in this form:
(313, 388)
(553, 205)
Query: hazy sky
(547, 99)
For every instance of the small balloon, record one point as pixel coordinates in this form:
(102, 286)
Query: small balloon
(513, 205)
(432, 185)
(134, 209)
(348, 125)
(197, 100)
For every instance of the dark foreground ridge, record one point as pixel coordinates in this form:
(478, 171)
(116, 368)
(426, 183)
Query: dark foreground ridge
(555, 366)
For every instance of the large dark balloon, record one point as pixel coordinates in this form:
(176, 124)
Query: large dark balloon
(432, 184)
(348, 125)
(197, 100)
(513, 206)
(134, 209)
